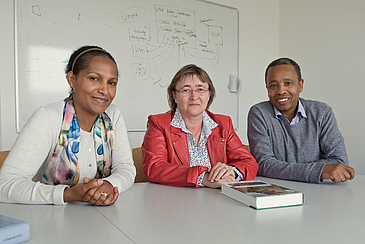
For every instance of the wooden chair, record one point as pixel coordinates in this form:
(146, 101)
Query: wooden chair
(138, 163)
(3, 155)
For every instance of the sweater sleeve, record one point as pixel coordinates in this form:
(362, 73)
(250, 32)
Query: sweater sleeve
(259, 136)
(331, 141)
(32, 148)
(123, 170)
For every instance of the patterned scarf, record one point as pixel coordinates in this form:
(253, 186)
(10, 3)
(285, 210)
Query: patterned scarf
(63, 168)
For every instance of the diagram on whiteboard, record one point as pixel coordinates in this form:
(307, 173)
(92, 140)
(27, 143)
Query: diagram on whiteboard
(172, 39)
(150, 41)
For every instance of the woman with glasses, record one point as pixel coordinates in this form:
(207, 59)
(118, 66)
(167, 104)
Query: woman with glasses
(191, 146)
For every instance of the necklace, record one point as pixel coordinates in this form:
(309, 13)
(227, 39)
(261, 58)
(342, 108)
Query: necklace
(196, 133)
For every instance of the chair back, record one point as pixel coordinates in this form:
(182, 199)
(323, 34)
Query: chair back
(3, 155)
(138, 163)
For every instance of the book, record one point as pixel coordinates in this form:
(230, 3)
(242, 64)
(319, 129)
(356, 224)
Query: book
(13, 230)
(262, 195)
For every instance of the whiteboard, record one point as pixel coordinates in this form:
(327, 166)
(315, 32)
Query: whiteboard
(150, 41)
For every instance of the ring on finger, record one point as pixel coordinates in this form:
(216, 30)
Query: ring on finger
(104, 194)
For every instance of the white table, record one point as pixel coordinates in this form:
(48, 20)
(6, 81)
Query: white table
(74, 223)
(332, 213)
(151, 213)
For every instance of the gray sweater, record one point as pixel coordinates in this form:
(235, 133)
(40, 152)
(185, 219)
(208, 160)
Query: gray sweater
(295, 152)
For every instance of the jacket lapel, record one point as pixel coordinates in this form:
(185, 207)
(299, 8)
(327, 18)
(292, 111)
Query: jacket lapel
(216, 147)
(180, 144)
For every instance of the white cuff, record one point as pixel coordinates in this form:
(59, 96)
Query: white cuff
(58, 195)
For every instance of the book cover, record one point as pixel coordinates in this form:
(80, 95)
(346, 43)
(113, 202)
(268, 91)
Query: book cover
(260, 195)
(13, 230)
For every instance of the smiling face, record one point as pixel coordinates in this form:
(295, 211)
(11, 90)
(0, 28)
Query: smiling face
(191, 106)
(283, 89)
(94, 87)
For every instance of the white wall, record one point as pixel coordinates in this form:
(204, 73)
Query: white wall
(326, 38)
(259, 43)
(7, 96)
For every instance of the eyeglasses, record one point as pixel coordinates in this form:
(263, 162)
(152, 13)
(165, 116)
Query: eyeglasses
(188, 92)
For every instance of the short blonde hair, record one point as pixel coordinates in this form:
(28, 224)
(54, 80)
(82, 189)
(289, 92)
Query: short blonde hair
(190, 70)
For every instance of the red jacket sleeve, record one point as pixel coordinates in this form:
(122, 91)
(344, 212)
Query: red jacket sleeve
(237, 154)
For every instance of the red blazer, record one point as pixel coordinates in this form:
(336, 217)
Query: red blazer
(166, 154)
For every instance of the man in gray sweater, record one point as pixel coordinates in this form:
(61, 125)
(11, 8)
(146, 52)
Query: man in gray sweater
(293, 138)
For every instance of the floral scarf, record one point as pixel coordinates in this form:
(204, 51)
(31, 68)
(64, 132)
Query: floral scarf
(63, 167)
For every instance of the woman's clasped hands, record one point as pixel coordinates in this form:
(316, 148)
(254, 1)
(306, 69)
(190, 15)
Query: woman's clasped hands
(217, 174)
(93, 191)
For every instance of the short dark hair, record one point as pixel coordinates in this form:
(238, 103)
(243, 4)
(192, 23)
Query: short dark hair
(190, 70)
(283, 61)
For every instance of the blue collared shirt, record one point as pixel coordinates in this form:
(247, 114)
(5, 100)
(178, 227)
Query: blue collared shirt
(298, 116)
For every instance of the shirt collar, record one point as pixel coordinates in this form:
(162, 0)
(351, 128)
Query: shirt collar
(208, 123)
(300, 111)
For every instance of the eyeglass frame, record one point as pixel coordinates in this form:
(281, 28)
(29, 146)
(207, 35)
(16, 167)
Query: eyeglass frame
(191, 91)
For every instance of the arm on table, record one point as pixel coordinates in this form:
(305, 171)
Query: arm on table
(31, 149)
(123, 170)
(93, 192)
(331, 143)
(333, 147)
(238, 155)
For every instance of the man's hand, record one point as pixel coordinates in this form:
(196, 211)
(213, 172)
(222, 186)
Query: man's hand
(337, 172)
